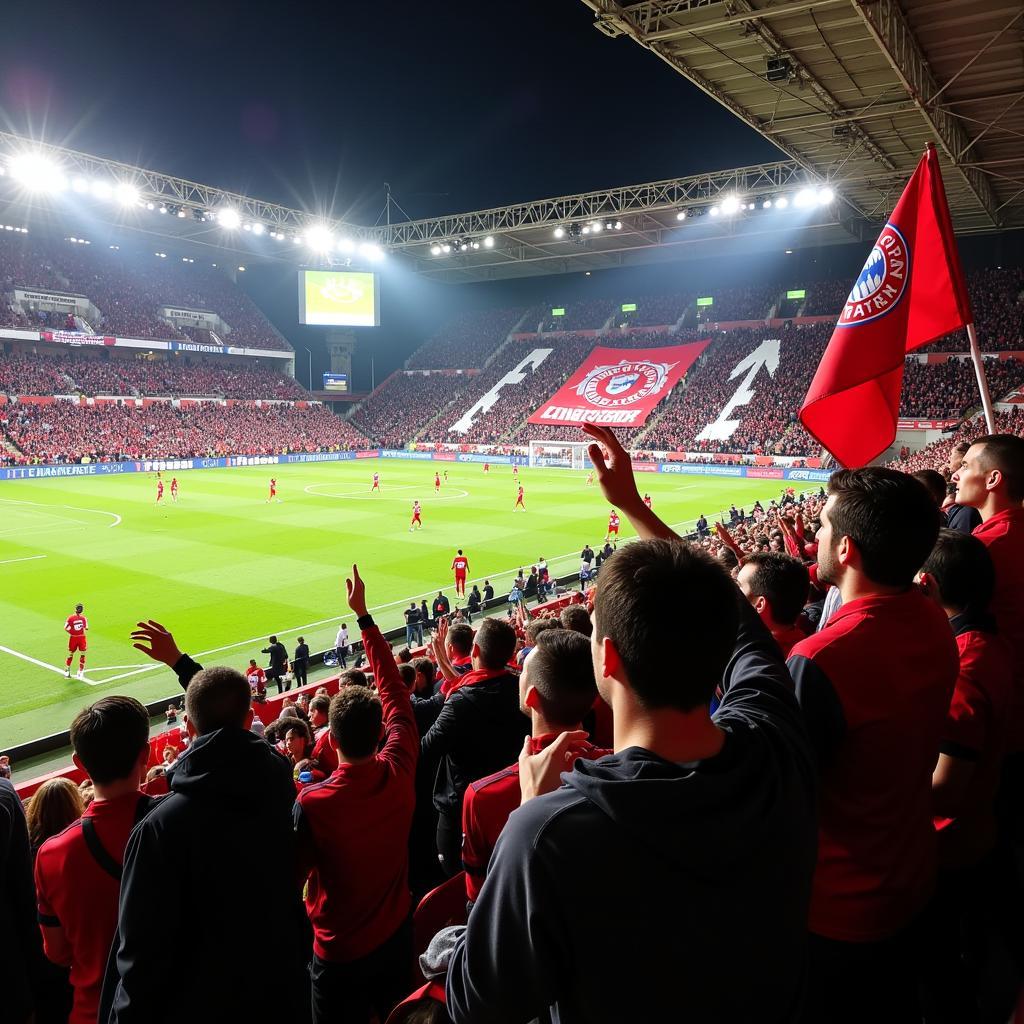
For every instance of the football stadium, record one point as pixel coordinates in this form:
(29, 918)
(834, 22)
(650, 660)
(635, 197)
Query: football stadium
(423, 547)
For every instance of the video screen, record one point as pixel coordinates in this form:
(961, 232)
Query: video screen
(338, 298)
(335, 382)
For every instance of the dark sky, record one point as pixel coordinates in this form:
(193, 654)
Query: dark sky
(457, 105)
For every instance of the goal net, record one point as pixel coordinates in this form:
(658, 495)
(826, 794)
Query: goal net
(560, 454)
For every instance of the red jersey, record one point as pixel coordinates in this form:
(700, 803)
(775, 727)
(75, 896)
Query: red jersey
(460, 564)
(1003, 535)
(613, 522)
(376, 478)
(415, 510)
(520, 495)
(437, 481)
(76, 625)
(160, 488)
(486, 807)
(256, 678)
(80, 897)
(353, 829)
(647, 500)
(174, 485)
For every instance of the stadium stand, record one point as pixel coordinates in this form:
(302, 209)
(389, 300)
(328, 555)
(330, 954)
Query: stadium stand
(465, 342)
(129, 291)
(587, 315)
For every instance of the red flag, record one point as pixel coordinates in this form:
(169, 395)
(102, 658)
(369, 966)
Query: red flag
(910, 292)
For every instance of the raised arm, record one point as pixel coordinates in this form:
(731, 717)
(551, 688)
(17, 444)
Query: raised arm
(157, 642)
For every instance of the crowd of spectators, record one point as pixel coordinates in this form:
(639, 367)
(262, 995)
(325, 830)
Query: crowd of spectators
(405, 403)
(750, 302)
(49, 372)
(129, 289)
(68, 432)
(947, 390)
(466, 341)
(936, 454)
(584, 315)
(848, 723)
(655, 310)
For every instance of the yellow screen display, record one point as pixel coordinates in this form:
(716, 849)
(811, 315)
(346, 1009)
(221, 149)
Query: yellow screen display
(338, 298)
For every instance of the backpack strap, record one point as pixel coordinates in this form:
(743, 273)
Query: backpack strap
(92, 840)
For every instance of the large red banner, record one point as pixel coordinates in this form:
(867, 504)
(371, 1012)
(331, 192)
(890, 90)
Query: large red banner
(619, 386)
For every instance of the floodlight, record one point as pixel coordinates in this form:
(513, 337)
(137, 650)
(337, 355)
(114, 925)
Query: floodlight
(559, 232)
(681, 215)
(730, 204)
(150, 206)
(476, 245)
(435, 250)
(228, 217)
(163, 209)
(489, 242)
(346, 245)
(242, 269)
(319, 238)
(258, 228)
(247, 227)
(127, 194)
(37, 173)
(102, 189)
(825, 196)
(181, 213)
(766, 205)
(586, 229)
(371, 252)
(618, 225)
(713, 211)
(596, 227)
(781, 203)
(446, 248)
(804, 198)
(80, 185)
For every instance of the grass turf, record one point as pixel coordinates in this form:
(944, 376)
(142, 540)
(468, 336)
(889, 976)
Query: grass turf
(223, 569)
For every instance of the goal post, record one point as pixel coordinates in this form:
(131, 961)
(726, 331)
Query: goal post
(559, 454)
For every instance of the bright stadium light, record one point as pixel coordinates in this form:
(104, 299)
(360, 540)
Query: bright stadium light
(37, 173)
(618, 225)
(825, 196)
(163, 209)
(446, 248)
(346, 245)
(181, 214)
(374, 253)
(597, 227)
(681, 215)
(435, 250)
(127, 194)
(730, 205)
(714, 211)
(258, 228)
(228, 217)
(766, 205)
(559, 232)
(102, 189)
(489, 242)
(319, 238)
(242, 269)
(781, 203)
(80, 185)
(804, 198)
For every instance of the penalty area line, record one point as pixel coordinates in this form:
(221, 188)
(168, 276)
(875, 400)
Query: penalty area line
(28, 558)
(34, 661)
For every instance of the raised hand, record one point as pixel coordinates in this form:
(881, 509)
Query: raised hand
(156, 642)
(540, 773)
(356, 592)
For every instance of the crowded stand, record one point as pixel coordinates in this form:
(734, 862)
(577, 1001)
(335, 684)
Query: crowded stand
(656, 310)
(949, 389)
(586, 315)
(129, 290)
(847, 723)
(753, 302)
(65, 431)
(466, 341)
(57, 372)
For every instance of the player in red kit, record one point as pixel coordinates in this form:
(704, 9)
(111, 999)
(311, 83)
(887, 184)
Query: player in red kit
(174, 489)
(159, 490)
(487, 467)
(376, 483)
(75, 627)
(613, 526)
(416, 521)
(515, 472)
(519, 500)
(437, 484)
(460, 563)
(647, 500)
(273, 490)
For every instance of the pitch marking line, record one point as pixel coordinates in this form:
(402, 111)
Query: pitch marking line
(35, 661)
(73, 508)
(29, 558)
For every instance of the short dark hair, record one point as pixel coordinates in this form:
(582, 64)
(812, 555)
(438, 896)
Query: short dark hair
(217, 698)
(496, 641)
(273, 639)
(535, 627)
(403, 655)
(321, 704)
(934, 482)
(355, 721)
(963, 571)
(460, 636)
(299, 725)
(660, 596)
(1005, 452)
(561, 669)
(728, 558)
(353, 677)
(576, 618)
(782, 581)
(109, 736)
(425, 667)
(889, 516)
(79, 608)
(408, 674)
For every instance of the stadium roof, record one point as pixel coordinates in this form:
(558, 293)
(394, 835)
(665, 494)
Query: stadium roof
(857, 90)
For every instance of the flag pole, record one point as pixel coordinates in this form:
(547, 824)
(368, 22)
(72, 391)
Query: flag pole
(979, 372)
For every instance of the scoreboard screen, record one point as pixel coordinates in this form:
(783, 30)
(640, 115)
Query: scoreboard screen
(339, 298)
(336, 382)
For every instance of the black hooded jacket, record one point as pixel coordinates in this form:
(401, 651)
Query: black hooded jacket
(645, 890)
(209, 895)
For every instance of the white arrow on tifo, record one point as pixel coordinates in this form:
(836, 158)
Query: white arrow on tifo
(767, 355)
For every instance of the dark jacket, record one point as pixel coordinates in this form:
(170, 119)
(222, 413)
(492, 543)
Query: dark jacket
(209, 888)
(963, 518)
(701, 870)
(278, 656)
(21, 964)
(301, 653)
(441, 606)
(473, 602)
(478, 731)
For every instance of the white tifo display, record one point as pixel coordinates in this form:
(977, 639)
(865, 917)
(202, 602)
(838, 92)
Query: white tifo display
(560, 454)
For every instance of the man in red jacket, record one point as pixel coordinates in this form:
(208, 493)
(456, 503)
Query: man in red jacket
(353, 832)
(556, 689)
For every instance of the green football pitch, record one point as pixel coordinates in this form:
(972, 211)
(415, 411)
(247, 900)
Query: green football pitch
(223, 568)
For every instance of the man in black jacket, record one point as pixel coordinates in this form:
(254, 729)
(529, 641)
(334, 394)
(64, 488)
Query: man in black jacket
(478, 731)
(693, 844)
(278, 667)
(300, 663)
(222, 835)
